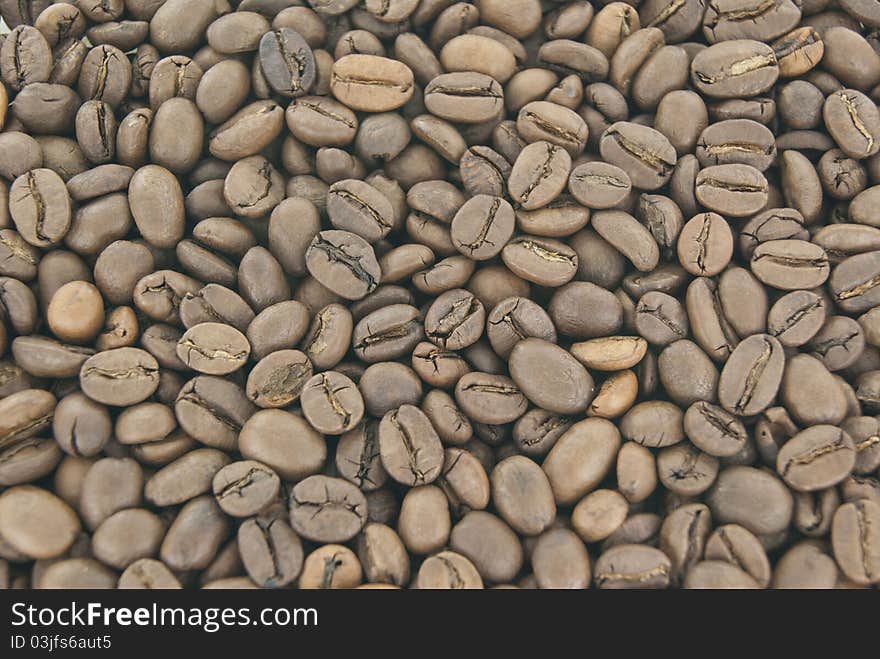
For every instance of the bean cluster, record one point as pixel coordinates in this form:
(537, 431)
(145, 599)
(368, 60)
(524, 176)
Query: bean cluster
(434, 294)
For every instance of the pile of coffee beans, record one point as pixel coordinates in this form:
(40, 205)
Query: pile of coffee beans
(435, 294)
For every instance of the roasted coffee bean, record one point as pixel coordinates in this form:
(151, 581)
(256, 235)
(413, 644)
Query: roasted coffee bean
(388, 333)
(539, 174)
(629, 236)
(642, 152)
(287, 62)
(714, 430)
(735, 190)
(752, 498)
(325, 510)
(245, 488)
(37, 524)
(632, 566)
(796, 317)
(332, 403)
(123, 376)
(853, 121)
(283, 442)
(737, 68)
(482, 227)
(751, 376)
(409, 447)
(464, 97)
(370, 83)
(213, 348)
(790, 264)
(344, 262)
(853, 538)
(599, 185)
(358, 457)
(492, 399)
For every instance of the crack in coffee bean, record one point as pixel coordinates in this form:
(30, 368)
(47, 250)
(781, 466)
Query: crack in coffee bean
(657, 312)
(859, 289)
(753, 377)
(636, 150)
(739, 68)
(853, 112)
(808, 457)
(412, 453)
(331, 564)
(641, 576)
(319, 109)
(668, 12)
(284, 382)
(10, 438)
(357, 202)
(545, 253)
(17, 250)
(460, 312)
(797, 316)
(238, 486)
(225, 419)
(824, 347)
(740, 15)
(337, 254)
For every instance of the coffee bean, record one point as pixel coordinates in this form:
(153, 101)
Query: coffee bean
(245, 488)
(482, 227)
(611, 353)
(332, 403)
(490, 544)
(714, 430)
(632, 566)
(790, 264)
(358, 207)
(283, 442)
(568, 388)
(752, 375)
(738, 68)
(539, 175)
(324, 509)
(796, 317)
(123, 376)
(642, 152)
(853, 537)
(629, 236)
(388, 333)
(40, 207)
(271, 552)
(213, 348)
(598, 515)
(370, 83)
(464, 97)
(448, 570)
(735, 190)
(853, 121)
(816, 458)
(409, 447)
(343, 262)
(751, 498)
(599, 185)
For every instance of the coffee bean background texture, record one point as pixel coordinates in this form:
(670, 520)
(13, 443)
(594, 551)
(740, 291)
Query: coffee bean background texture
(424, 294)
